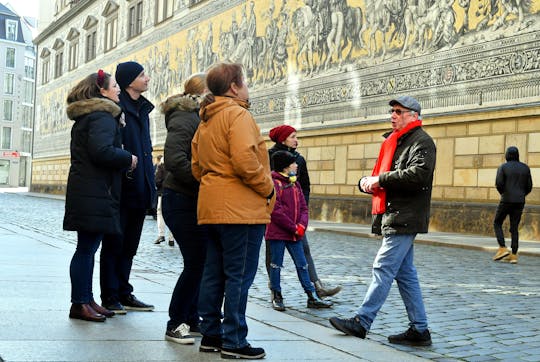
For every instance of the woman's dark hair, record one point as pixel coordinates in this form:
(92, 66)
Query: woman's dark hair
(89, 88)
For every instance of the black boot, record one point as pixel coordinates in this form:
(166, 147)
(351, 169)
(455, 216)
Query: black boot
(315, 302)
(325, 292)
(277, 301)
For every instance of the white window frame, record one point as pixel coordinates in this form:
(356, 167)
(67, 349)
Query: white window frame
(12, 25)
(13, 57)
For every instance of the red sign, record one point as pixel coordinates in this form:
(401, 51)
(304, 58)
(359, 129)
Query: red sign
(13, 154)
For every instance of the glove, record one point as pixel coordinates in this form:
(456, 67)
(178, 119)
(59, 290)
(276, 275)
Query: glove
(300, 230)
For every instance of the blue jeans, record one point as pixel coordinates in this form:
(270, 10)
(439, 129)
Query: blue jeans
(307, 253)
(81, 268)
(277, 251)
(180, 214)
(394, 260)
(232, 257)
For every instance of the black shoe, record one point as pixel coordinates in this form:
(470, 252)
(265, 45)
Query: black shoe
(115, 307)
(246, 352)
(132, 303)
(411, 337)
(159, 240)
(210, 344)
(277, 301)
(350, 326)
(171, 242)
(317, 303)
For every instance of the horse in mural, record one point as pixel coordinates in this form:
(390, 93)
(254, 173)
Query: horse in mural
(353, 19)
(380, 16)
(305, 27)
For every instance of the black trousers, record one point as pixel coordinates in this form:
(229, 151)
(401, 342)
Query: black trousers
(514, 210)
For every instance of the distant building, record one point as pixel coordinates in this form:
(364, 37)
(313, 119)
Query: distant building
(17, 73)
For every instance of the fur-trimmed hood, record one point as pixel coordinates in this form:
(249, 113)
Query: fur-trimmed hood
(78, 109)
(181, 102)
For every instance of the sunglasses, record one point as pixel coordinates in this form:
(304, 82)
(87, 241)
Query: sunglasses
(399, 112)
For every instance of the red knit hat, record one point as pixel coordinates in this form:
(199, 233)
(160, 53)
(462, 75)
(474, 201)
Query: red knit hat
(280, 133)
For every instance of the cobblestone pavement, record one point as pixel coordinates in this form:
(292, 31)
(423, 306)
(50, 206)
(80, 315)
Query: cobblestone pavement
(478, 310)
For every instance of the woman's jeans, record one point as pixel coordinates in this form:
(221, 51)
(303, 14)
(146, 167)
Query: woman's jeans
(232, 258)
(180, 215)
(394, 260)
(81, 268)
(277, 250)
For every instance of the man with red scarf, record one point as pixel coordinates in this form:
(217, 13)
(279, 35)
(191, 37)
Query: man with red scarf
(401, 185)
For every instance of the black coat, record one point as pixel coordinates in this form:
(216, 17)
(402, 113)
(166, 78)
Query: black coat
(408, 186)
(181, 119)
(139, 191)
(97, 164)
(302, 174)
(513, 180)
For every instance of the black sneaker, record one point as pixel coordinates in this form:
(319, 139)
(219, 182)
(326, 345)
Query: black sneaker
(132, 303)
(171, 242)
(411, 337)
(115, 307)
(349, 326)
(246, 352)
(210, 344)
(159, 240)
(180, 335)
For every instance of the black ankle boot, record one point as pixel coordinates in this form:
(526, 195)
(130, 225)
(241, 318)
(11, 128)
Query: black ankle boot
(315, 302)
(277, 301)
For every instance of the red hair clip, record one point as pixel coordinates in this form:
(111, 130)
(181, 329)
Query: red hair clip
(100, 78)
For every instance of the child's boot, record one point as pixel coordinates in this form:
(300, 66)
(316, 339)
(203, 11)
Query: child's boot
(315, 302)
(277, 301)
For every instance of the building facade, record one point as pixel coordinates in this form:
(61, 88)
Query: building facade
(329, 69)
(17, 72)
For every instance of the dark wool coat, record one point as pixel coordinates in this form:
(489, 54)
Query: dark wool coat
(139, 191)
(181, 119)
(408, 186)
(97, 164)
(302, 174)
(513, 180)
(290, 210)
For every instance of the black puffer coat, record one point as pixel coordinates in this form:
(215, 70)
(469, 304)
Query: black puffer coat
(408, 186)
(181, 119)
(97, 162)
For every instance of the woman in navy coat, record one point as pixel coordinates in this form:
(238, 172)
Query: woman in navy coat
(94, 182)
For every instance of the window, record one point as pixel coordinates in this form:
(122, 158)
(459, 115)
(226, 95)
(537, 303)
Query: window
(45, 71)
(28, 92)
(90, 45)
(27, 113)
(8, 83)
(164, 10)
(135, 19)
(29, 67)
(73, 54)
(111, 29)
(10, 57)
(26, 141)
(58, 63)
(6, 138)
(11, 29)
(8, 110)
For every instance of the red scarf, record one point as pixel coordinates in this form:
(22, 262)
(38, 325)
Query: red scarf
(384, 163)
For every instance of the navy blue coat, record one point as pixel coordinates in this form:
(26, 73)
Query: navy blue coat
(140, 190)
(97, 162)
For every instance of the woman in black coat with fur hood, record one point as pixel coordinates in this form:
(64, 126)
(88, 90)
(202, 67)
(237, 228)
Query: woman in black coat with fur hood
(94, 182)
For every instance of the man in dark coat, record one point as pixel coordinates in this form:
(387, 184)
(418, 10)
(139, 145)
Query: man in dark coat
(401, 185)
(138, 191)
(513, 182)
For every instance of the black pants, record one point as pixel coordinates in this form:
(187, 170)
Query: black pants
(514, 210)
(117, 252)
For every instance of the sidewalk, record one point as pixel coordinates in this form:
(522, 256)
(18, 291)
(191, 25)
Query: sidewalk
(453, 240)
(34, 323)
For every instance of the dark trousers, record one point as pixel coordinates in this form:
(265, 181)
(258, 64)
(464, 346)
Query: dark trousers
(307, 253)
(117, 254)
(81, 268)
(514, 210)
(180, 214)
(231, 263)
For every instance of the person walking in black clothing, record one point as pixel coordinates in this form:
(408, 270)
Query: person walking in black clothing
(160, 175)
(138, 191)
(513, 182)
(285, 139)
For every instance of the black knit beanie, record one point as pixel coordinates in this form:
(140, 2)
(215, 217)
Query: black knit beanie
(127, 72)
(282, 159)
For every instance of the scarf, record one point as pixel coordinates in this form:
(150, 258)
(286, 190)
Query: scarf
(384, 163)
